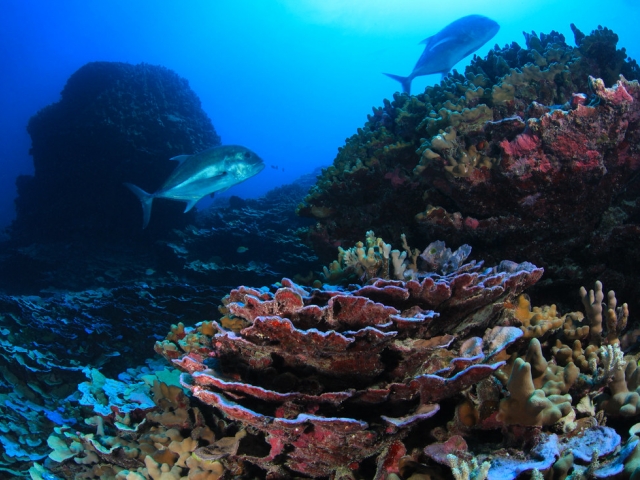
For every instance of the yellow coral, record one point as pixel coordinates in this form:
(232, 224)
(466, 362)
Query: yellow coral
(527, 405)
(536, 321)
(460, 161)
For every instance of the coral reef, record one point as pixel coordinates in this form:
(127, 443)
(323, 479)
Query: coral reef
(400, 364)
(449, 371)
(114, 123)
(529, 155)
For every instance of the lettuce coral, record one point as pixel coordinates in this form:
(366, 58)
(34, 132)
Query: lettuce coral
(332, 378)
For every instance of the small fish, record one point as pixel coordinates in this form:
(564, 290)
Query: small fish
(450, 45)
(213, 170)
(242, 249)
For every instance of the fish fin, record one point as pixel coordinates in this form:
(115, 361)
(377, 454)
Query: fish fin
(222, 189)
(426, 41)
(191, 204)
(405, 81)
(441, 41)
(146, 200)
(180, 158)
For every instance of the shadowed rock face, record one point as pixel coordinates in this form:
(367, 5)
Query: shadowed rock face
(115, 122)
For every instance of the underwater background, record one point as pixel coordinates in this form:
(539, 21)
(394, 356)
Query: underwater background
(289, 79)
(233, 248)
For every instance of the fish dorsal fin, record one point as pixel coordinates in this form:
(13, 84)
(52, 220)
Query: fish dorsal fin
(426, 41)
(180, 158)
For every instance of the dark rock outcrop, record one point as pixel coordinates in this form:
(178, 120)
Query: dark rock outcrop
(114, 123)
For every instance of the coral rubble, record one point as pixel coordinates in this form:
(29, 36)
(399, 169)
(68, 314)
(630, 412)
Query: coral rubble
(529, 155)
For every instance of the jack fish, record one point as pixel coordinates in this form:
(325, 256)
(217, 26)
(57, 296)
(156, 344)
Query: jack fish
(450, 45)
(213, 170)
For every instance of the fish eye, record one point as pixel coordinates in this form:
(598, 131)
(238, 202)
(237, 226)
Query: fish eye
(247, 155)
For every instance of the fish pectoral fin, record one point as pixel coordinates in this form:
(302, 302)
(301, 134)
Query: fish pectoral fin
(180, 158)
(441, 41)
(191, 204)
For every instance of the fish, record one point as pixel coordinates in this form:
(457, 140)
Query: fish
(450, 45)
(213, 170)
(242, 249)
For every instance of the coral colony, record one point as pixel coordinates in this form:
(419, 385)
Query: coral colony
(402, 363)
(530, 155)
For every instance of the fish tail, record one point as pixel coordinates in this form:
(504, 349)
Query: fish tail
(146, 199)
(405, 81)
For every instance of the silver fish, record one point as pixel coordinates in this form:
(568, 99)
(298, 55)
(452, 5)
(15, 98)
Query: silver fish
(213, 170)
(450, 45)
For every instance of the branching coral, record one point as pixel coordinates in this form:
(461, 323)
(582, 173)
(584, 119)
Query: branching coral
(528, 405)
(376, 260)
(150, 444)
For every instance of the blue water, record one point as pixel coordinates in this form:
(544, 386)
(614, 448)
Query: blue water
(290, 79)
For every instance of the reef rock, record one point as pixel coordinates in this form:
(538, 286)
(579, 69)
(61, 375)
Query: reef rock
(114, 123)
(528, 156)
